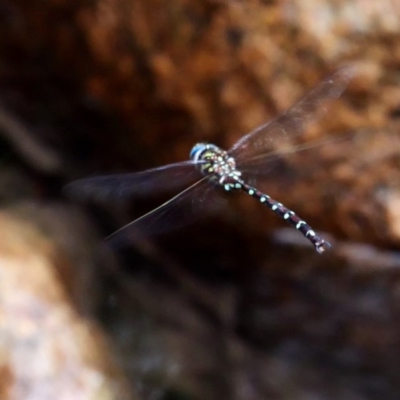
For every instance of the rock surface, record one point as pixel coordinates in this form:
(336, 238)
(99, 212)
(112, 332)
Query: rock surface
(232, 307)
(48, 349)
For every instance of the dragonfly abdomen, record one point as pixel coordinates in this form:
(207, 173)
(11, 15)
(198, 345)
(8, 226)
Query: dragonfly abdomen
(288, 215)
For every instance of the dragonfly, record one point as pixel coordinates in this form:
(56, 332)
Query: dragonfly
(211, 169)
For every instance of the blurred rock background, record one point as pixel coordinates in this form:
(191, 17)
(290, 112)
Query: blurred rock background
(235, 306)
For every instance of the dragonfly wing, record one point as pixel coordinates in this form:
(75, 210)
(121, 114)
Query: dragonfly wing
(303, 165)
(181, 210)
(261, 166)
(278, 132)
(135, 185)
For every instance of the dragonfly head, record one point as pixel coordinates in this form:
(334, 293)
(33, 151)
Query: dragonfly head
(197, 150)
(201, 151)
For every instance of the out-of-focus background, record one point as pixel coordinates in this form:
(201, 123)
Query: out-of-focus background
(238, 305)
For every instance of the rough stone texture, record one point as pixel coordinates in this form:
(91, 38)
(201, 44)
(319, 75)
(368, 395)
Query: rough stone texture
(47, 349)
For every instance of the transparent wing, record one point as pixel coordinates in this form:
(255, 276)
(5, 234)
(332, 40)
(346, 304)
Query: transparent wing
(262, 165)
(181, 210)
(300, 167)
(135, 185)
(278, 132)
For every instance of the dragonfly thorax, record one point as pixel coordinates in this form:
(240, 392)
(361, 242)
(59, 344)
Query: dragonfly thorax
(216, 163)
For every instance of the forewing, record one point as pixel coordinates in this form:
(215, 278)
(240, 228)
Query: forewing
(154, 181)
(261, 166)
(277, 173)
(181, 210)
(278, 132)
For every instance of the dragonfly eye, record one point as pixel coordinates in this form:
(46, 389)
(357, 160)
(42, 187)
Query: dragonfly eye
(197, 150)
